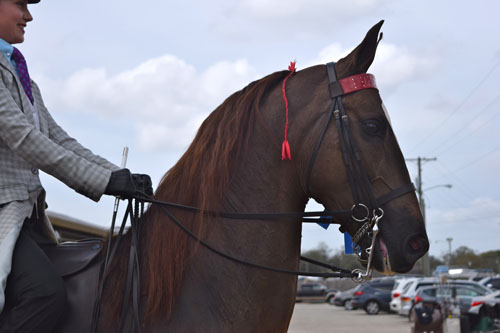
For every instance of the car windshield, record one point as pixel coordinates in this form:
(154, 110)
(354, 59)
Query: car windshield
(447, 291)
(431, 292)
(495, 294)
(482, 290)
(406, 287)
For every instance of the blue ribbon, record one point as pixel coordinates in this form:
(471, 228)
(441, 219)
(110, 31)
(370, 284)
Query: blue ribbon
(348, 245)
(324, 225)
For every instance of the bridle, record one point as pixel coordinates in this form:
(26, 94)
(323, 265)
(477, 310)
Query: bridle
(359, 182)
(368, 213)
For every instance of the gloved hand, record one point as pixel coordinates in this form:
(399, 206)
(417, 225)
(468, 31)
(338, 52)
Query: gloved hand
(126, 185)
(143, 183)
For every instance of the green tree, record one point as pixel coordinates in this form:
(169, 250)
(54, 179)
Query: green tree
(490, 259)
(464, 257)
(324, 254)
(435, 262)
(320, 253)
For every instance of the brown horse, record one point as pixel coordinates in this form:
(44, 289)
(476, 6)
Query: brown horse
(234, 165)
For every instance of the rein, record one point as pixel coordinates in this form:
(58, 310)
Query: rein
(358, 180)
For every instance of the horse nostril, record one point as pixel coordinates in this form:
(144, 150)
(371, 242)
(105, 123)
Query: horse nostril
(418, 244)
(414, 244)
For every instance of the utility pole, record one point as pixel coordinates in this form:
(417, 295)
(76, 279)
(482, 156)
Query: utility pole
(425, 260)
(449, 239)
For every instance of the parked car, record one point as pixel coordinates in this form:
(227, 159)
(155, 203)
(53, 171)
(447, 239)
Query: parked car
(344, 298)
(374, 296)
(449, 293)
(408, 295)
(315, 292)
(396, 292)
(491, 299)
(409, 291)
(492, 282)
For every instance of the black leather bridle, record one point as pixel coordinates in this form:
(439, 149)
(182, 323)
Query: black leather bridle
(359, 182)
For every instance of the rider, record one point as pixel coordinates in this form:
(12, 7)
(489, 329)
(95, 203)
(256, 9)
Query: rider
(30, 140)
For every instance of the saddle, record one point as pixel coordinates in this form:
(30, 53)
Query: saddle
(79, 264)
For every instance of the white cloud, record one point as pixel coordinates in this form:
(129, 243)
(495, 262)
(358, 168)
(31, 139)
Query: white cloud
(281, 20)
(165, 97)
(396, 65)
(468, 225)
(297, 10)
(393, 65)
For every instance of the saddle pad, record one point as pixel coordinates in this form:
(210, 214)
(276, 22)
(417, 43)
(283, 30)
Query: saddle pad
(71, 257)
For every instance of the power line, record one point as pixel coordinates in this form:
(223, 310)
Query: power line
(477, 159)
(476, 218)
(435, 129)
(454, 135)
(466, 190)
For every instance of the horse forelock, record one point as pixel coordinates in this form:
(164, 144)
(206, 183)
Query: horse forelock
(199, 179)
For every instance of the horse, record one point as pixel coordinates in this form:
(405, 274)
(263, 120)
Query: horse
(234, 165)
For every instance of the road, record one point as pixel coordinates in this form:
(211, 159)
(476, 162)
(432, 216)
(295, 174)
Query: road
(322, 317)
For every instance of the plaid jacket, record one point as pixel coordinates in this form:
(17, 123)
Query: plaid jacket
(24, 150)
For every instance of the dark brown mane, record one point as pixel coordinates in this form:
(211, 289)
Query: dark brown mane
(200, 179)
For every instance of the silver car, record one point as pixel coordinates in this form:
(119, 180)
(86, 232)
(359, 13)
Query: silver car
(408, 295)
(492, 299)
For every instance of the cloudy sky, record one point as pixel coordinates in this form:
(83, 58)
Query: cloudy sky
(145, 75)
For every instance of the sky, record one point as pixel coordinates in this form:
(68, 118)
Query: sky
(145, 75)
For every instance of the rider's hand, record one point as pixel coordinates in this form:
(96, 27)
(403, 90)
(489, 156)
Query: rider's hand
(126, 185)
(143, 184)
(121, 184)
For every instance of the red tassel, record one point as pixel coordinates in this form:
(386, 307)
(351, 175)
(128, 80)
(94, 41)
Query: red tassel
(285, 151)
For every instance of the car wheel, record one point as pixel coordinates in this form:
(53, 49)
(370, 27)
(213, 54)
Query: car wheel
(348, 305)
(372, 307)
(331, 300)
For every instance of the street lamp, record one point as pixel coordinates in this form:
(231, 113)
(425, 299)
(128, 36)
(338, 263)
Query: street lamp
(435, 186)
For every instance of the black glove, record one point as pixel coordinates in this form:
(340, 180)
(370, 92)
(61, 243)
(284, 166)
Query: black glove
(126, 185)
(143, 183)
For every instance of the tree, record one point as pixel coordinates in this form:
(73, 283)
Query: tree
(324, 254)
(321, 253)
(465, 257)
(490, 259)
(435, 262)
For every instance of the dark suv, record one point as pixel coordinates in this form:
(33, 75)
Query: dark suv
(374, 296)
(315, 292)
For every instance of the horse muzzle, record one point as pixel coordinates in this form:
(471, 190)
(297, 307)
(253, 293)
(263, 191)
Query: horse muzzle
(390, 258)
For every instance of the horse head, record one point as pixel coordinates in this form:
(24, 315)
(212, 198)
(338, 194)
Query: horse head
(362, 160)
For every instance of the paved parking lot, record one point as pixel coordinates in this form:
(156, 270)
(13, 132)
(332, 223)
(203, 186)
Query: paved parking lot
(322, 317)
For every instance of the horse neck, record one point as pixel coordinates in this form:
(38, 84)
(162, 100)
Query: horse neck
(234, 294)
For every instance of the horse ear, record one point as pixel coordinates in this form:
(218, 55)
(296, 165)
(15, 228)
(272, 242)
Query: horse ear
(360, 59)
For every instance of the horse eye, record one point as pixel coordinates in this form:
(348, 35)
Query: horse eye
(372, 126)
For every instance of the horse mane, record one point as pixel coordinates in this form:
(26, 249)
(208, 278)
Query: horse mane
(200, 178)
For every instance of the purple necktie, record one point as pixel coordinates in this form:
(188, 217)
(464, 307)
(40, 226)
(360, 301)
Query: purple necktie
(22, 70)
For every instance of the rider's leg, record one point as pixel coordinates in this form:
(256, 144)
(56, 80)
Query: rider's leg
(35, 294)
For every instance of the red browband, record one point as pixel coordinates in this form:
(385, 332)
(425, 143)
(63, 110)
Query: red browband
(338, 88)
(357, 82)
